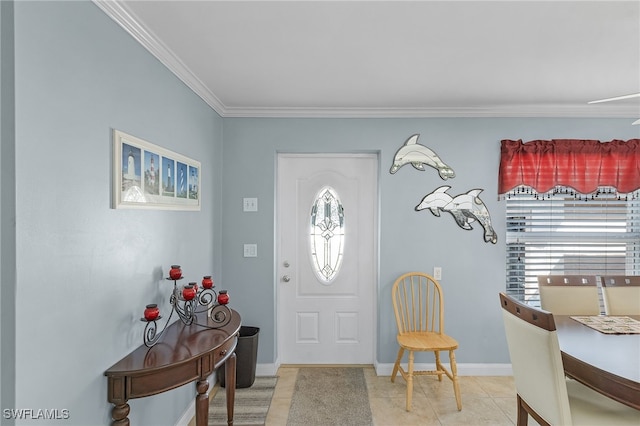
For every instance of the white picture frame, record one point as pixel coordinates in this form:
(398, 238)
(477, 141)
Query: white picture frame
(147, 176)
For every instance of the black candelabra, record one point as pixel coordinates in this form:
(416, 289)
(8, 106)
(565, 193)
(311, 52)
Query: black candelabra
(187, 302)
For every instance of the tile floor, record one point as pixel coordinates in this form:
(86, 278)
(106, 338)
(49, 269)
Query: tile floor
(485, 400)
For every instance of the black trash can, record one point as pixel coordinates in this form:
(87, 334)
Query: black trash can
(246, 358)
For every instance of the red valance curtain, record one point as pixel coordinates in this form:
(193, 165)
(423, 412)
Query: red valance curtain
(583, 165)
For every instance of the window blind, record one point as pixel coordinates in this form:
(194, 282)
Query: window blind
(564, 233)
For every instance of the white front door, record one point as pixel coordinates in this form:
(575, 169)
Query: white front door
(326, 300)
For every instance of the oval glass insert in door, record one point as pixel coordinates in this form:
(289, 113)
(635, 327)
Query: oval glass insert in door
(326, 241)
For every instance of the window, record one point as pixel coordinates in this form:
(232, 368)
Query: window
(572, 209)
(326, 234)
(564, 233)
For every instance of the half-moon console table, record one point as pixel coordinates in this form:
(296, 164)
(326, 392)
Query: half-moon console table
(183, 354)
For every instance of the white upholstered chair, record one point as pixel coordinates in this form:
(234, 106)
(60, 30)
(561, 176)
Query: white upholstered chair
(621, 295)
(542, 390)
(569, 294)
(419, 310)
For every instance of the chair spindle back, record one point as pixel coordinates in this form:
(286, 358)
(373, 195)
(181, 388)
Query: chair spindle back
(417, 303)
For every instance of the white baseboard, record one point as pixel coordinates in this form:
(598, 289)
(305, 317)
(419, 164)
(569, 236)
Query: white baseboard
(188, 415)
(266, 369)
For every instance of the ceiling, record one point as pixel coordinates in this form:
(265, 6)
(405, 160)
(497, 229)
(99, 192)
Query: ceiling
(396, 58)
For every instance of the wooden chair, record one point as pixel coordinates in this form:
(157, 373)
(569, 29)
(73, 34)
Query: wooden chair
(542, 390)
(419, 309)
(621, 295)
(569, 294)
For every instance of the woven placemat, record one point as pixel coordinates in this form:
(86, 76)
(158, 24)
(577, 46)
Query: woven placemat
(610, 324)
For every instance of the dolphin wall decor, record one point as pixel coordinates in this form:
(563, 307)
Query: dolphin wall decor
(419, 155)
(465, 208)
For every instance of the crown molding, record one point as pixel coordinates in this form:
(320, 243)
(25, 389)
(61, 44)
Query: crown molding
(128, 21)
(116, 10)
(507, 111)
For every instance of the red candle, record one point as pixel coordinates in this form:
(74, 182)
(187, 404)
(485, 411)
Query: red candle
(151, 312)
(207, 282)
(175, 273)
(188, 292)
(223, 297)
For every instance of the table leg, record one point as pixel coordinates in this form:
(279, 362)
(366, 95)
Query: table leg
(119, 414)
(202, 402)
(230, 376)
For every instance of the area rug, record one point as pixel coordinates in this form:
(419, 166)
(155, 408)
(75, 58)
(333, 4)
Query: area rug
(330, 396)
(251, 404)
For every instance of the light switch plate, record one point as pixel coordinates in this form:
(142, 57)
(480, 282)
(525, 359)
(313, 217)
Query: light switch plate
(250, 204)
(250, 250)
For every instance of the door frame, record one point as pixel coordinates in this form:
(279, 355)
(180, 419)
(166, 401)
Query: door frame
(376, 155)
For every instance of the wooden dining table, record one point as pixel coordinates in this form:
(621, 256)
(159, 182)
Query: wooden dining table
(607, 363)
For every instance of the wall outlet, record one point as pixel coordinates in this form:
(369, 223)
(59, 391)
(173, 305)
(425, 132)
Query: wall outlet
(250, 204)
(437, 272)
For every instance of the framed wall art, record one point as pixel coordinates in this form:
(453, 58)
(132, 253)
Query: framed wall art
(147, 176)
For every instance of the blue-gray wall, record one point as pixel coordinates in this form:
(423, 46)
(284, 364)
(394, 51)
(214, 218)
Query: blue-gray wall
(79, 274)
(85, 271)
(7, 209)
(473, 271)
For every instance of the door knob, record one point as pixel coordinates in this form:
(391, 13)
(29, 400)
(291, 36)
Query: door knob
(286, 278)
